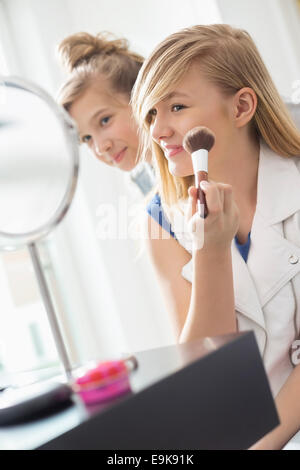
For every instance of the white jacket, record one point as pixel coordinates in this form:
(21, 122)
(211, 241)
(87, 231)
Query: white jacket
(267, 287)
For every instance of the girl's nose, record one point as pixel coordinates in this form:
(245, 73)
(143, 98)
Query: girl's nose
(160, 130)
(102, 147)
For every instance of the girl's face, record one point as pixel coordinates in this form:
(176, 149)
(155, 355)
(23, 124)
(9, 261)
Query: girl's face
(106, 125)
(194, 102)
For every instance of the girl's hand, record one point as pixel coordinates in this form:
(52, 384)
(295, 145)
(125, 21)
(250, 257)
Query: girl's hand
(218, 229)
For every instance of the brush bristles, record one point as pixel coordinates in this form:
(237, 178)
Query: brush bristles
(198, 138)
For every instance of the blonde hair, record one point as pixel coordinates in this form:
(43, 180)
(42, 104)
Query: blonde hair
(89, 59)
(229, 58)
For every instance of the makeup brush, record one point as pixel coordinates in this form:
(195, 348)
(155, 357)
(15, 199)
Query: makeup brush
(198, 142)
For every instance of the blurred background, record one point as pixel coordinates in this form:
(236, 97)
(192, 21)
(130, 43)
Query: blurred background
(105, 290)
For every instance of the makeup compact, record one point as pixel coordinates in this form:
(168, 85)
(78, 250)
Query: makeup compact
(104, 381)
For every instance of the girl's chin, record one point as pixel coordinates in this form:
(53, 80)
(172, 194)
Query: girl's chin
(128, 164)
(180, 171)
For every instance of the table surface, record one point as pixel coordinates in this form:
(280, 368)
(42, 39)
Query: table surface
(153, 366)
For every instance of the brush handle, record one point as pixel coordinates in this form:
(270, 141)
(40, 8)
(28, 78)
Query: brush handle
(201, 202)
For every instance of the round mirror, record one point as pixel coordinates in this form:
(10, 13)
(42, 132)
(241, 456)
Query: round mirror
(38, 163)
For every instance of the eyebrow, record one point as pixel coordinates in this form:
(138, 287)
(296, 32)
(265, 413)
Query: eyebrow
(174, 94)
(102, 110)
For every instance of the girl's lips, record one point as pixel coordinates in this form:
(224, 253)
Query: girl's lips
(120, 156)
(173, 151)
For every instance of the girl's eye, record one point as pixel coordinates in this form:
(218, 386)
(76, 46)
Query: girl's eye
(104, 120)
(177, 107)
(85, 139)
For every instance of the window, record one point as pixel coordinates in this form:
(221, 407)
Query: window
(25, 337)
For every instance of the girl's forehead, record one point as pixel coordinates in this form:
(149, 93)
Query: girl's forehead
(187, 89)
(99, 89)
(99, 93)
(190, 82)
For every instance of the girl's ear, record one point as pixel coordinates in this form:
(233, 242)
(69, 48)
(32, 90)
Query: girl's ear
(245, 103)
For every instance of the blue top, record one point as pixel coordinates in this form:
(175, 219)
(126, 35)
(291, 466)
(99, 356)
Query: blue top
(243, 248)
(155, 210)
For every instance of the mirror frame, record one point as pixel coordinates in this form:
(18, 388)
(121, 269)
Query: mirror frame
(70, 133)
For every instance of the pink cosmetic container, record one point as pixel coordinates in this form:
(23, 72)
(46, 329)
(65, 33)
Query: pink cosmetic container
(105, 381)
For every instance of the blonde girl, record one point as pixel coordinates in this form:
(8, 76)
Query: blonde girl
(247, 273)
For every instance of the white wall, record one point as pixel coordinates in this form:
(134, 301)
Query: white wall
(275, 28)
(144, 23)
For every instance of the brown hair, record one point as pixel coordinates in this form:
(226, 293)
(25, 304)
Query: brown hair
(87, 58)
(229, 58)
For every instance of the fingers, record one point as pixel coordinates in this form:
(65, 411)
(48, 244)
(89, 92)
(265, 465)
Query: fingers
(219, 197)
(214, 198)
(222, 222)
(196, 229)
(192, 202)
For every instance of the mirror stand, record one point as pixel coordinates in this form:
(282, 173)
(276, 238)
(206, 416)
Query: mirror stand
(49, 306)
